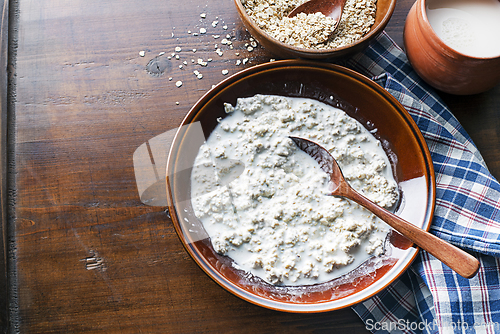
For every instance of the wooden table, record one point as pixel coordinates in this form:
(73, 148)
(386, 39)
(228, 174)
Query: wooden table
(80, 252)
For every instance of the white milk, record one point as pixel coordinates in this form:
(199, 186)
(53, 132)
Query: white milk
(471, 27)
(277, 219)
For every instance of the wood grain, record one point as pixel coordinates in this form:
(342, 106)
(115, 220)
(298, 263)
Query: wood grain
(88, 255)
(4, 118)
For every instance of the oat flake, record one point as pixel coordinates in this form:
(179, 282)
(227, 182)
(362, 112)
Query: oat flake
(313, 30)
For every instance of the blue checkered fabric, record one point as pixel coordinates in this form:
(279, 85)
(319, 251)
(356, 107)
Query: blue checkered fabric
(430, 297)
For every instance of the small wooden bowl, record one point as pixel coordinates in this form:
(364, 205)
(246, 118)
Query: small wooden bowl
(385, 8)
(377, 110)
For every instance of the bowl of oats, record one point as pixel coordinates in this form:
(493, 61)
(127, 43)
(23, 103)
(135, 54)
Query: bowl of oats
(310, 36)
(256, 213)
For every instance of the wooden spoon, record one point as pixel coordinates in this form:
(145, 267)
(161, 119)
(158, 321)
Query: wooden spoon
(460, 261)
(329, 8)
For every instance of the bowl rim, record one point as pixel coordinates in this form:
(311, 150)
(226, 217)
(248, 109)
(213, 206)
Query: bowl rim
(388, 277)
(317, 52)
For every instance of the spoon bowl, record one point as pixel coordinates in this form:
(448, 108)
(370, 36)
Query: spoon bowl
(458, 260)
(329, 8)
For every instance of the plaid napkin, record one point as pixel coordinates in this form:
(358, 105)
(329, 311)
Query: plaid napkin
(430, 297)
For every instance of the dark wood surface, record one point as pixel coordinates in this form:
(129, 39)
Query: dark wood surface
(80, 252)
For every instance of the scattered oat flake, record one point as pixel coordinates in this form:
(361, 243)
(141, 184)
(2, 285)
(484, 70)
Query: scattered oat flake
(178, 49)
(200, 76)
(161, 53)
(214, 23)
(216, 36)
(180, 66)
(177, 102)
(142, 53)
(238, 62)
(194, 50)
(250, 49)
(224, 27)
(245, 61)
(203, 30)
(203, 15)
(224, 72)
(201, 62)
(178, 83)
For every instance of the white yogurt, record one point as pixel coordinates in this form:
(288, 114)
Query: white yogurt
(277, 219)
(471, 27)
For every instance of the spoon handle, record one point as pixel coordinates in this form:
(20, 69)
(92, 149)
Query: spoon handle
(458, 260)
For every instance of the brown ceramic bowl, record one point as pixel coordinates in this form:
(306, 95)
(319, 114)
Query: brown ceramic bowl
(441, 66)
(385, 8)
(362, 99)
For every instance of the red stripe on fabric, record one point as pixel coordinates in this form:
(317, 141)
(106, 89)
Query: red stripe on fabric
(403, 299)
(451, 142)
(471, 216)
(469, 193)
(391, 317)
(484, 299)
(429, 274)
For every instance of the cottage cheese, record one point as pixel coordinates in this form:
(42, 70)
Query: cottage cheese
(277, 220)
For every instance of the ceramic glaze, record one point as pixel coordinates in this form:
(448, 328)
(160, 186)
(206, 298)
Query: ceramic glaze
(377, 110)
(469, 27)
